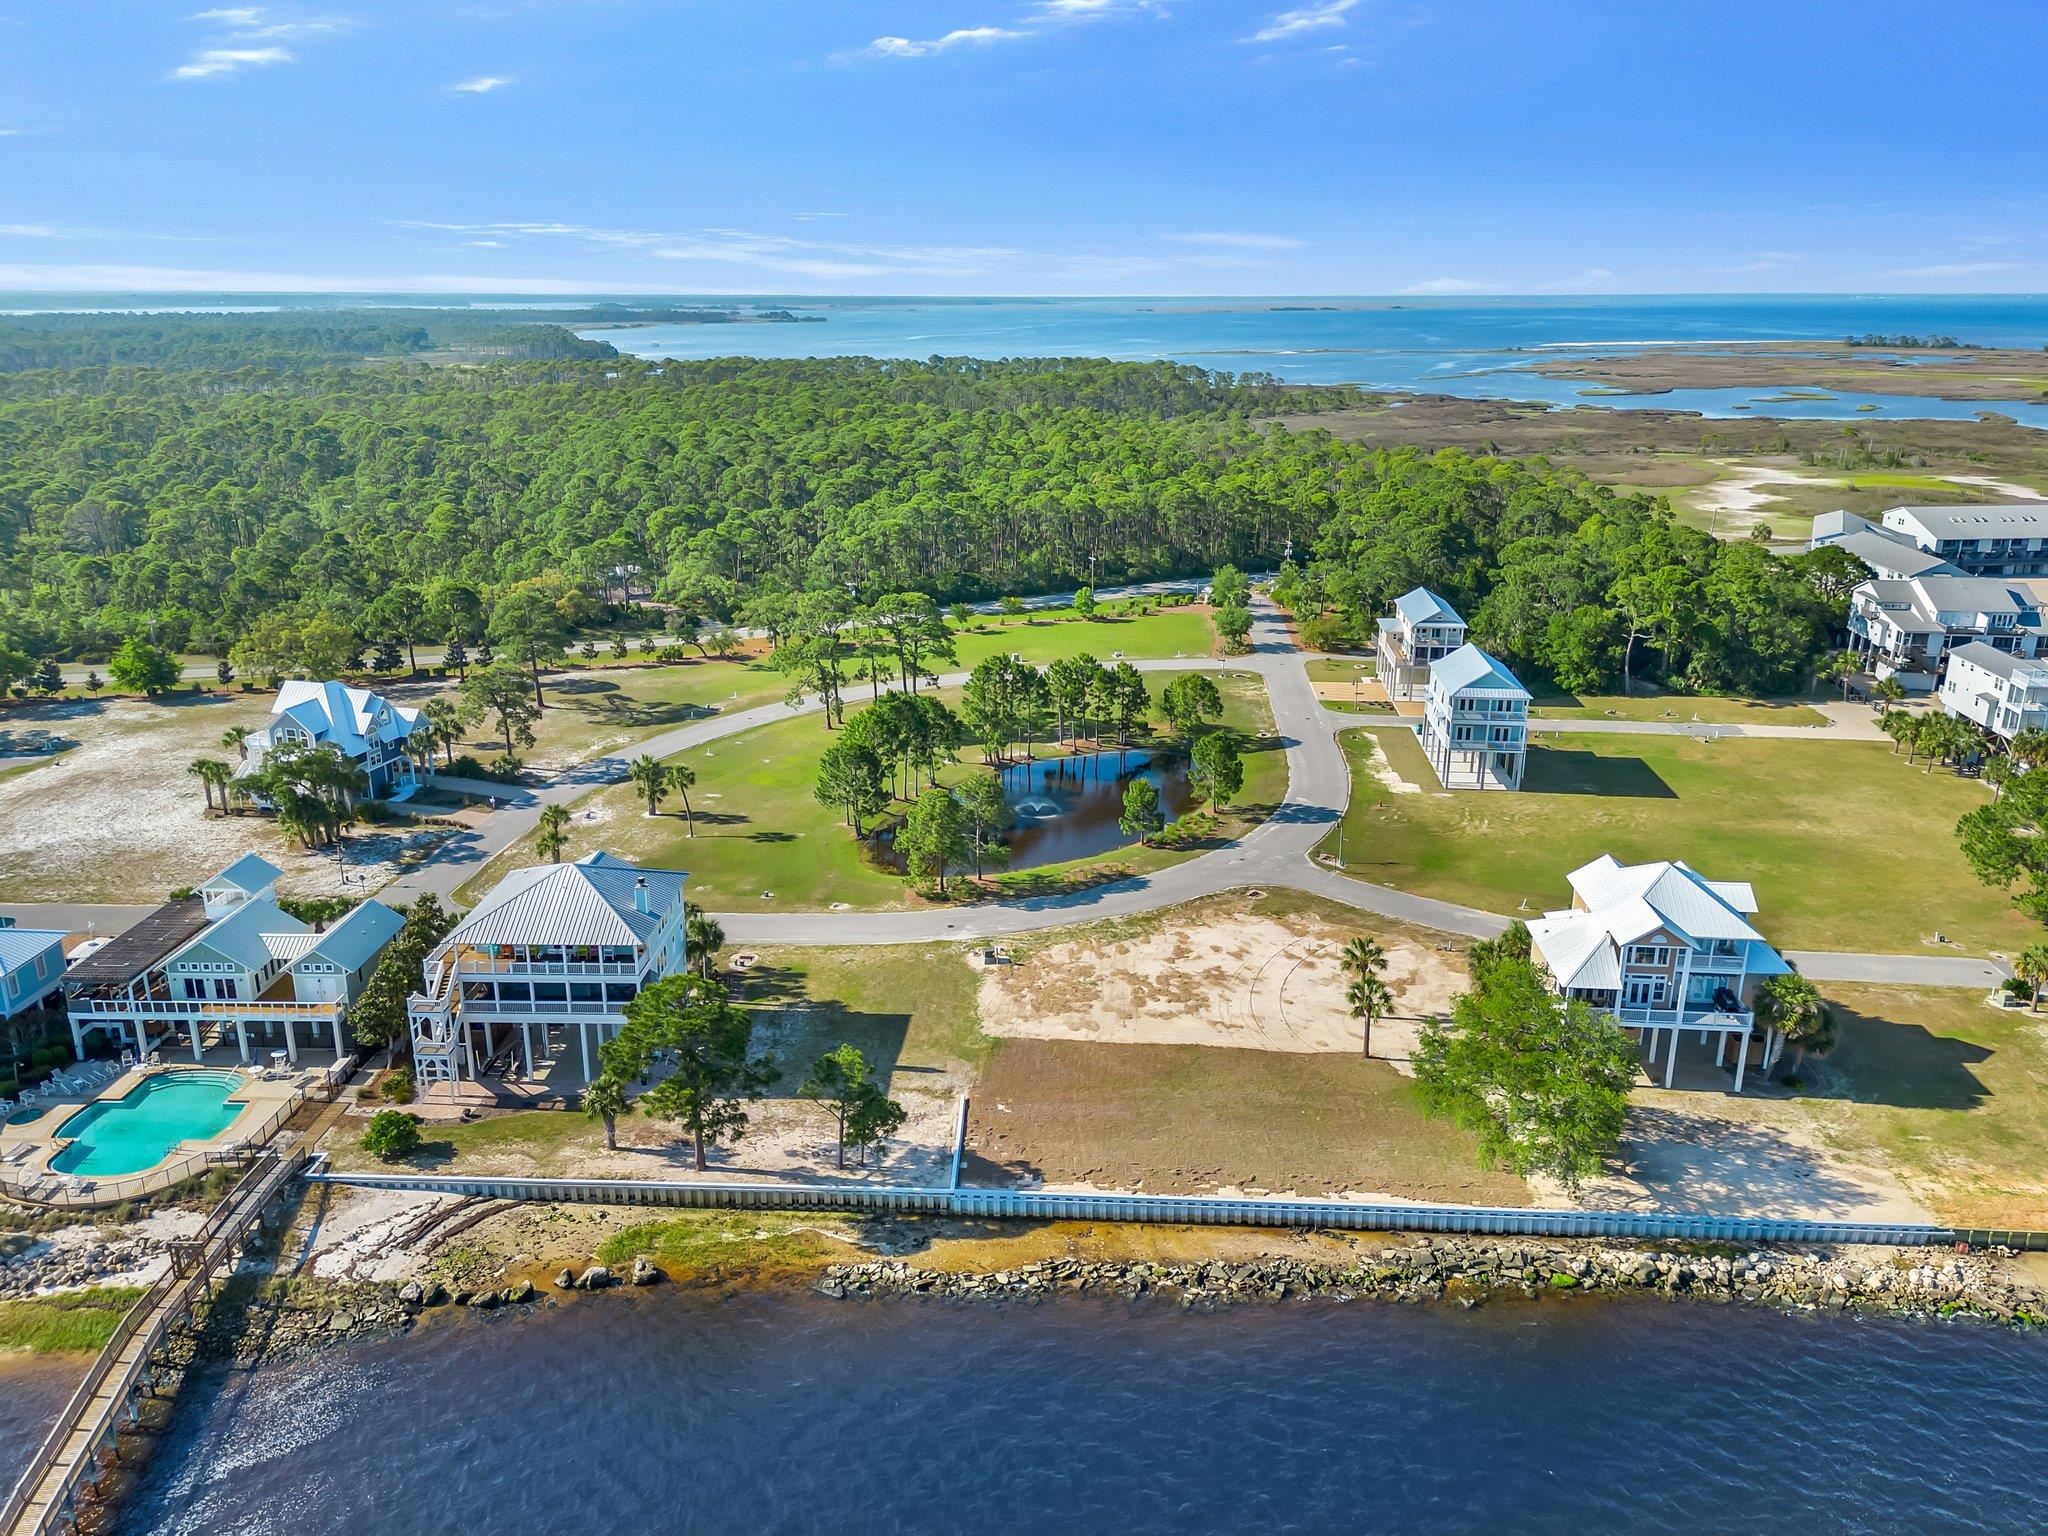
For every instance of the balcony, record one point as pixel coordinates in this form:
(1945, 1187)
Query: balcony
(228, 1008)
(1689, 1017)
(499, 1008)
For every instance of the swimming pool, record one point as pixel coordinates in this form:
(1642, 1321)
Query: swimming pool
(142, 1127)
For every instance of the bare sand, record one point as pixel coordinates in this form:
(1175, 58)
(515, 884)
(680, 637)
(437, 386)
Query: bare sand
(1223, 979)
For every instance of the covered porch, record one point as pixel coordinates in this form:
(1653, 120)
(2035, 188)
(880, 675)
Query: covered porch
(1700, 1048)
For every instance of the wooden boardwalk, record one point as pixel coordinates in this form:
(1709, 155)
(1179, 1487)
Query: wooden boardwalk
(45, 1499)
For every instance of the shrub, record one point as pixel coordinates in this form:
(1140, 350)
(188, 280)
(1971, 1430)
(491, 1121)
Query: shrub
(392, 1134)
(46, 1056)
(398, 1086)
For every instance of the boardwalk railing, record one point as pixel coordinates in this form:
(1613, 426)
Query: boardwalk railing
(1178, 1210)
(42, 1498)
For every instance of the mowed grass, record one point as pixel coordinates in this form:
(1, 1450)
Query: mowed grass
(1342, 669)
(1952, 1092)
(1059, 632)
(1848, 847)
(910, 1008)
(763, 842)
(1196, 1118)
(602, 709)
(1677, 707)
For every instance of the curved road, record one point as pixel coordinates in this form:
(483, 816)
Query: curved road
(1275, 853)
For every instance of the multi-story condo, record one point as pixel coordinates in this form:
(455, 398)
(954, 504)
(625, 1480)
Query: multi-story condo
(1475, 722)
(2010, 540)
(31, 967)
(228, 959)
(555, 944)
(1890, 554)
(2005, 694)
(367, 728)
(1422, 630)
(1664, 950)
(1908, 627)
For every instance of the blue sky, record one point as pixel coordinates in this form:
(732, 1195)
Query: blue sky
(1026, 146)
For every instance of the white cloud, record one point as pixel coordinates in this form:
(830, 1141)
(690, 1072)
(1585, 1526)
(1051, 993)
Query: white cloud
(29, 231)
(1448, 285)
(252, 37)
(99, 278)
(1960, 269)
(1232, 240)
(208, 62)
(1093, 10)
(959, 37)
(1310, 18)
(481, 85)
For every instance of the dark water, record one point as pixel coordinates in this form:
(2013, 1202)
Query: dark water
(1068, 807)
(774, 1413)
(31, 1392)
(1474, 347)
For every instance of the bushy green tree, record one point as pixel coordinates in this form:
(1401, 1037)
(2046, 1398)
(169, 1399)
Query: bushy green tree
(139, 667)
(1217, 769)
(392, 1135)
(686, 1025)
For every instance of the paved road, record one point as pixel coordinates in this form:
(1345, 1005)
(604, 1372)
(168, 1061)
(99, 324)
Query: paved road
(74, 917)
(1276, 853)
(1837, 730)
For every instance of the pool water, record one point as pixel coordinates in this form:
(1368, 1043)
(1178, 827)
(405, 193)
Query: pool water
(142, 1127)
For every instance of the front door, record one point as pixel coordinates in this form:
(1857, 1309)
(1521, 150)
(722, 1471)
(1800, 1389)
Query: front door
(1643, 992)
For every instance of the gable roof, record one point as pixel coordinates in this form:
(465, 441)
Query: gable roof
(2025, 519)
(249, 874)
(345, 717)
(1422, 606)
(587, 902)
(141, 945)
(1470, 667)
(1893, 555)
(244, 936)
(20, 946)
(355, 940)
(1998, 663)
(1626, 902)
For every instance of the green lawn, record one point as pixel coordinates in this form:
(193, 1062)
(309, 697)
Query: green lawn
(1057, 632)
(1848, 847)
(1342, 669)
(763, 842)
(1677, 707)
(909, 1007)
(73, 1322)
(1951, 1092)
(600, 710)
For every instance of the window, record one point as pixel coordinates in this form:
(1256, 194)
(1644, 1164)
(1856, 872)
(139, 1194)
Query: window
(1645, 992)
(1649, 954)
(194, 988)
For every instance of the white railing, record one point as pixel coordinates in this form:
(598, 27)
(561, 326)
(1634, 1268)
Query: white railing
(1685, 1018)
(227, 1009)
(504, 1008)
(482, 967)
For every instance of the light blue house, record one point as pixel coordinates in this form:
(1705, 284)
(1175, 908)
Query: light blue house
(1475, 722)
(31, 967)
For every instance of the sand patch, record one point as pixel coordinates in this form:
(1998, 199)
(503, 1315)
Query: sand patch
(1256, 983)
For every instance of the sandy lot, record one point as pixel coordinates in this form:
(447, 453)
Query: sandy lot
(1217, 977)
(1705, 1151)
(117, 818)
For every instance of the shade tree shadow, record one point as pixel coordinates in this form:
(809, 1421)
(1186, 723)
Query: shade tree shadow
(1565, 771)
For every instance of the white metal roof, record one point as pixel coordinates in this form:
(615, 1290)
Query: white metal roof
(588, 902)
(1470, 667)
(1998, 663)
(1635, 898)
(2022, 519)
(1422, 606)
(349, 718)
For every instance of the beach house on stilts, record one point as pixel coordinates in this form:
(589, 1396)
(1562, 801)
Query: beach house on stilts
(554, 946)
(227, 964)
(1669, 953)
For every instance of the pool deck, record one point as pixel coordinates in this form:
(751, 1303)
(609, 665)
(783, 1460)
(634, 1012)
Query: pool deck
(258, 1094)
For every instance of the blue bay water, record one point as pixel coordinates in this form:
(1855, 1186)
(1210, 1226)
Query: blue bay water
(779, 1413)
(1476, 348)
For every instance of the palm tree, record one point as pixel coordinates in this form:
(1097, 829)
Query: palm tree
(553, 836)
(1898, 725)
(2030, 748)
(681, 776)
(650, 778)
(212, 774)
(1363, 957)
(442, 722)
(1368, 998)
(703, 936)
(2032, 968)
(1839, 668)
(236, 739)
(604, 1098)
(1888, 692)
(1793, 1006)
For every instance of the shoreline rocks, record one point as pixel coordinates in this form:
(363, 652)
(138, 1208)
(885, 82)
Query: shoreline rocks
(1468, 1271)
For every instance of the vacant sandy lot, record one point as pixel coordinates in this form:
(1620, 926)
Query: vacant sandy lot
(1214, 974)
(117, 818)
